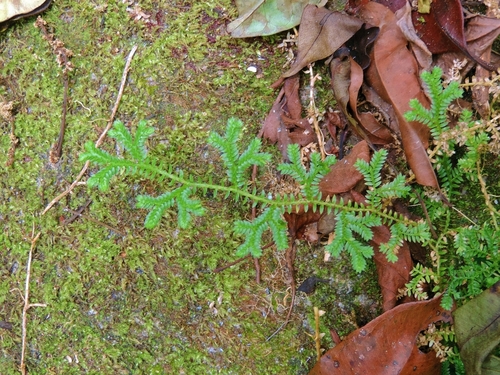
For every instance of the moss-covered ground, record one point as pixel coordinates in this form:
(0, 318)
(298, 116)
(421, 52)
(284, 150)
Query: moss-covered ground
(121, 299)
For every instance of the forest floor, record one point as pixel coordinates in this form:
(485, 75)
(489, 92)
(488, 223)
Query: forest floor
(117, 298)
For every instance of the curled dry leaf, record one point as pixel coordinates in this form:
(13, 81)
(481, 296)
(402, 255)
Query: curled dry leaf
(477, 326)
(299, 223)
(347, 78)
(393, 74)
(418, 47)
(376, 132)
(284, 124)
(387, 345)
(343, 176)
(321, 33)
(266, 17)
(391, 276)
(11, 10)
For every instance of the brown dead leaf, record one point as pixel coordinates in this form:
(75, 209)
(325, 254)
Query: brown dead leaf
(391, 276)
(321, 33)
(418, 47)
(347, 78)
(376, 132)
(387, 345)
(393, 74)
(343, 176)
(299, 224)
(284, 124)
(442, 30)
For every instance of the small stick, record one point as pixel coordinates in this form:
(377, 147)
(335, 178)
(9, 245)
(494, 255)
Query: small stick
(28, 305)
(318, 335)
(56, 151)
(103, 134)
(222, 268)
(313, 111)
(79, 214)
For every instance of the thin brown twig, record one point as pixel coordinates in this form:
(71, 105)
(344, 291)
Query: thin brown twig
(56, 151)
(79, 214)
(103, 134)
(313, 111)
(63, 55)
(28, 305)
(222, 268)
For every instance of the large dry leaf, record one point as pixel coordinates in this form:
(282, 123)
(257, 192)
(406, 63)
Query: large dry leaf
(14, 9)
(284, 123)
(321, 33)
(477, 326)
(266, 17)
(391, 276)
(387, 345)
(442, 30)
(377, 133)
(343, 175)
(347, 78)
(393, 74)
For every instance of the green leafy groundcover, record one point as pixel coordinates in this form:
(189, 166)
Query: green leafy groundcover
(350, 217)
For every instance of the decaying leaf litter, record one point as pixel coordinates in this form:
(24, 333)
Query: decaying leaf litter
(376, 52)
(363, 50)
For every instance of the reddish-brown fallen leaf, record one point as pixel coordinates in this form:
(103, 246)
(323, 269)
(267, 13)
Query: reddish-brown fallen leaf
(391, 276)
(321, 33)
(377, 133)
(443, 24)
(418, 47)
(442, 30)
(283, 124)
(343, 176)
(393, 74)
(347, 78)
(387, 345)
(299, 224)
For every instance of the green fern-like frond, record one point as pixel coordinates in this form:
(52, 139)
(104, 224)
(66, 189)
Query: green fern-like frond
(102, 178)
(308, 179)
(371, 170)
(235, 163)
(186, 207)
(355, 220)
(272, 218)
(135, 145)
(347, 228)
(377, 192)
(441, 98)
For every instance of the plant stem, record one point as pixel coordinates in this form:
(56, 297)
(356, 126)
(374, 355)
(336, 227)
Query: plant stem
(265, 200)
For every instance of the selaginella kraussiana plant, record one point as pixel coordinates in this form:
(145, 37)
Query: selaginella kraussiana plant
(353, 221)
